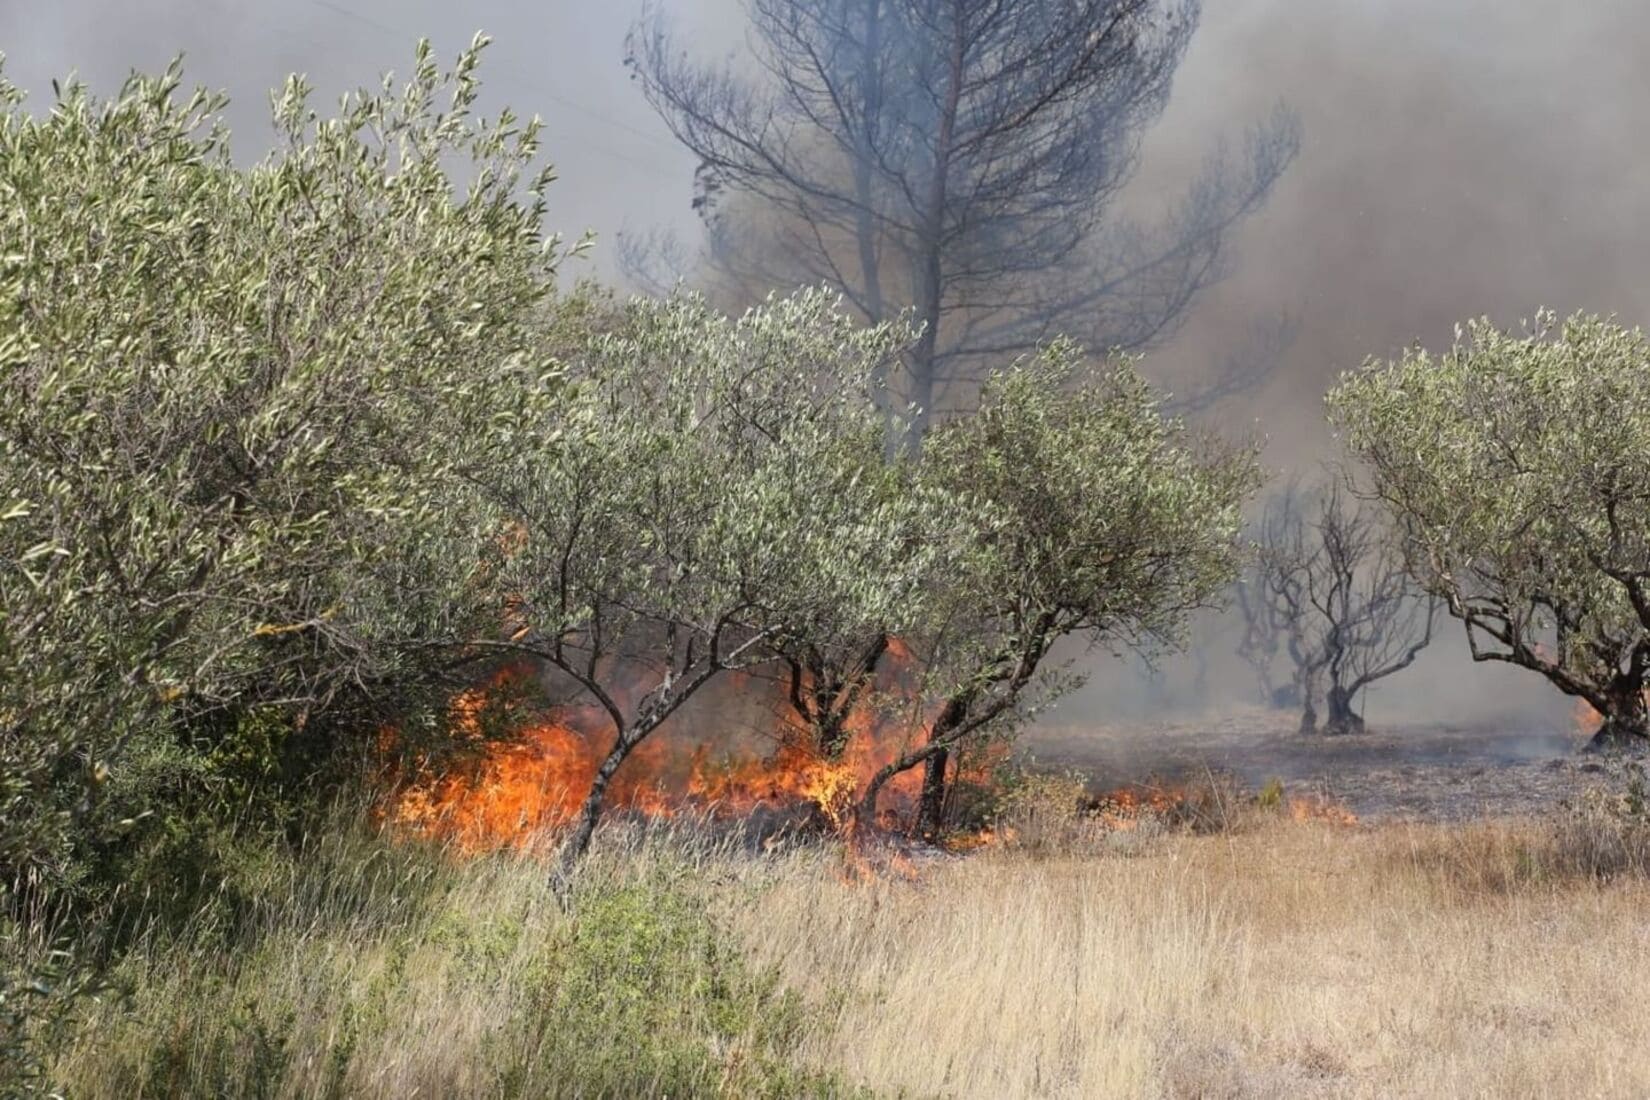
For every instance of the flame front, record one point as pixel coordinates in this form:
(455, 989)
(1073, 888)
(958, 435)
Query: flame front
(514, 790)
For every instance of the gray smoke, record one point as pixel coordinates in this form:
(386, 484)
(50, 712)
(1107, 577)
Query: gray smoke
(561, 60)
(1462, 158)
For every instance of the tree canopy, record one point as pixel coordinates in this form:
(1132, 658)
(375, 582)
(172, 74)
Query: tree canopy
(1515, 469)
(724, 496)
(1108, 521)
(224, 454)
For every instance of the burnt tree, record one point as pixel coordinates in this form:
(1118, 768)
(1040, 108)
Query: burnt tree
(960, 161)
(1332, 592)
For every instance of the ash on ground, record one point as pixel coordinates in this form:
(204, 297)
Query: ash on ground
(1400, 772)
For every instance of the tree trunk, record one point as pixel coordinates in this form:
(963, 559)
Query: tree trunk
(1309, 717)
(931, 805)
(930, 285)
(584, 826)
(833, 734)
(1626, 717)
(1342, 718)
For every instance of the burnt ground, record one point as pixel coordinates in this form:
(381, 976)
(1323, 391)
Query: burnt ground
(1407, 771)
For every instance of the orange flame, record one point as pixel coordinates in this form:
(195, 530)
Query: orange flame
(538, 779)
(1127, 807)
(1311, 807)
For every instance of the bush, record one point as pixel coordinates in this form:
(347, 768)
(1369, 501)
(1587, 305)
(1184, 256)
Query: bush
(238, 400)
(355, 967)
(1044, 813)
(229, 521)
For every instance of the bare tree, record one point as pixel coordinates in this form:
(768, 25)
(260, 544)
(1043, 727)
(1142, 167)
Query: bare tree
(1262, 638)
(1331, 592)
(960, 160)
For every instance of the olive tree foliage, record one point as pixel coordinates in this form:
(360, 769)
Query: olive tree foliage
(1330, 589)
(1516, 470)
(722, 494)
(961, 159)
(225, 455)
(1102, 520)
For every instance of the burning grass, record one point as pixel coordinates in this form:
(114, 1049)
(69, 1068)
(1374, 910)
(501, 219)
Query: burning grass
(510, 789)
(514, 790)
(1273, 956)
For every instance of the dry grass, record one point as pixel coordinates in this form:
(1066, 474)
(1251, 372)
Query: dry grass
(380, 970)
(1292, 959)
(1281, 958)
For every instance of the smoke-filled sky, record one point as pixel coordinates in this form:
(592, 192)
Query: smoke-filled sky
(1472, 156)
(1461, 157)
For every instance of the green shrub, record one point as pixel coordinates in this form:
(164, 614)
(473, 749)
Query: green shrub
(237, 397)
(645, 998)
(358, 967)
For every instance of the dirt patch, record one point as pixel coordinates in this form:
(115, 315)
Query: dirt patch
(1401, 772)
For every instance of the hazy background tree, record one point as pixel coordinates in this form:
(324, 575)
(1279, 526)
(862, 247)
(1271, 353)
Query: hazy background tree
(961, 159)
(1330, 593)
(1515, 469)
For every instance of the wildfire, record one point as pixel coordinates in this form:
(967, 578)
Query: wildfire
(1127, 807)
(510, 791)
(1311, 807)
(537, 779)
(1201, 807)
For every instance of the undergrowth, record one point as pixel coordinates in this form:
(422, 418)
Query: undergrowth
(357, 967)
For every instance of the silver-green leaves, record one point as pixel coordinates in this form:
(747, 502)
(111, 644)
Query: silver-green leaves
(1517, 469)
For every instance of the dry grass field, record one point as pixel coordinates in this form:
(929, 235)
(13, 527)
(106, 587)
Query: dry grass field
(1270, 957)
(1297, 959)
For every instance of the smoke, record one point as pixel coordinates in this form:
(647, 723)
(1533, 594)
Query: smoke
(1471, 157)
(1462, 158)
(1475, 157)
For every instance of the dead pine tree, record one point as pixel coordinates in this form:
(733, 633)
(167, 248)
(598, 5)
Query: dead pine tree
(958, 161)
(1331, 592)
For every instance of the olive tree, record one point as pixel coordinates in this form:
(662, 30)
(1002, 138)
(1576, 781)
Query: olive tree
(225, 468)
(1099, 518)
(1516, 470)
(724, 493)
